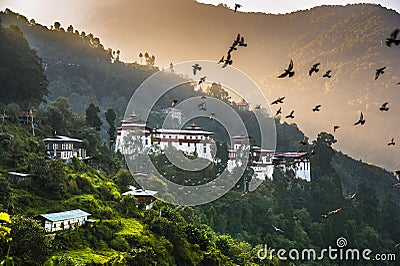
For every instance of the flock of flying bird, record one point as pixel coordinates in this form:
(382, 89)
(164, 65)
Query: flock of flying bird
(289, 72)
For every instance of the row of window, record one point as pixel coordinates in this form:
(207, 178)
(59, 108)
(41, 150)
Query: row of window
(64, 146)
(184, 137)
(189, 145)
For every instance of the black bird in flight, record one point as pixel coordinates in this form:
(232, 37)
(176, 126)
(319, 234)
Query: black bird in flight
(360, 121)
(314, 68)
(391, 143)
(393, 38)
(327, 74)
(289, 71)
(202, 106)
(290, 115)
(202, 79)
(228, 60)
(237, 40)
(232, 48)
(237, 6)
(196, 67)
(221, 60)
(335, 128)
(279, 100)
(242, 43)
(384, 107)
(173, 103)
(316, 108)
(379, 71)
(279, 111)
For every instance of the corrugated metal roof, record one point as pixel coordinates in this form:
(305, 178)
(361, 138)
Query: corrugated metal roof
(60, 216)
(62, 139)
(139, 192)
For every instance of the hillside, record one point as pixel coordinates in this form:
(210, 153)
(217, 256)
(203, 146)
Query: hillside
(79, 67)
(349, 40)
(228, 231)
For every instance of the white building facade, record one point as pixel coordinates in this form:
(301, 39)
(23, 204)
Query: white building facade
(265, 161)
(58, 221)
(62, 147)
(190, 140)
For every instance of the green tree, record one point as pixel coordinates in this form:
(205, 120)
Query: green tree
(110, 118)
(141, 58)
(21, 74)
(4, 227)
(52, 180)
(5, 194)
(70, 29)
(92, 117)
(61, 119)
(57, 25)
(30, 244)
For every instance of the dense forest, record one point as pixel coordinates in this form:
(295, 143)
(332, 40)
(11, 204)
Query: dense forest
(228, 231)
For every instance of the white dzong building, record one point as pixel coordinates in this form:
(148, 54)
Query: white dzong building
(190, 140)
(265, 161)
(133, 136)
(298, 162)
(262, 159)
(132, 133)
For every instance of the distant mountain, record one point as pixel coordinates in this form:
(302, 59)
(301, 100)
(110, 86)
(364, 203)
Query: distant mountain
(79, 67)
(349, 40)
(82, 70)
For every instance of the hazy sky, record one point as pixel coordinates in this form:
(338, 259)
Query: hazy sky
(70, 12)
(279, 6)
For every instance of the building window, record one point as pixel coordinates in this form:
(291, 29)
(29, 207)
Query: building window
(205, 150)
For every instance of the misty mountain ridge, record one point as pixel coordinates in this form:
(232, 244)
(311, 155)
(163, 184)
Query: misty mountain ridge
(349, 40)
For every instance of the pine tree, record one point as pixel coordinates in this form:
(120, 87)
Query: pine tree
(92, 117)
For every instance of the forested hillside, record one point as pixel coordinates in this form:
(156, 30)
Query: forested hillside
(79, 67)
(228, 231)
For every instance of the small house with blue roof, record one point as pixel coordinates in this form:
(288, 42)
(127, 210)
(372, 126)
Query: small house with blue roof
(58, 221)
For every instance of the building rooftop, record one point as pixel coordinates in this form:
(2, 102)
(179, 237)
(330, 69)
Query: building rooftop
(62, 139)
(293, 155)
(19, 174)
(139, 192)
(188, 130)
(60, 216)
(242, 103)
(133, 118)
